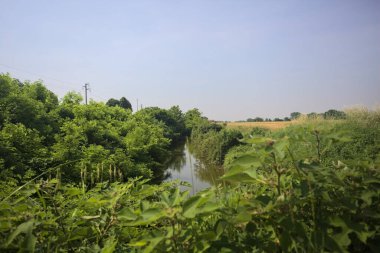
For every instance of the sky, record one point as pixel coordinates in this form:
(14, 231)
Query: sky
(231, 59)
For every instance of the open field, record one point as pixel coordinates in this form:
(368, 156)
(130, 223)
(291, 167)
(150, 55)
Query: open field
(270, 125)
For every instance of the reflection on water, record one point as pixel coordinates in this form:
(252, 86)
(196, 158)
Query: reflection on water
(185, 167)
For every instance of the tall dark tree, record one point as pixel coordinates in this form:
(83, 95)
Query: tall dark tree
(113, 102)
(124, 103)
(334, 114)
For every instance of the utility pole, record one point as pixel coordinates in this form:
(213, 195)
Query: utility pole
(137, 105)
(86, 88)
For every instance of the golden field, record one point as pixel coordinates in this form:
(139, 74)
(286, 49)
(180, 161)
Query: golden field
(270, 125)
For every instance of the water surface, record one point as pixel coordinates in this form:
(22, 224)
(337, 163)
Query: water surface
(186, 167)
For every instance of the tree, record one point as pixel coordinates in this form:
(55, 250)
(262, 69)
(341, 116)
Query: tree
(257, 119)
(334, 114)
(72, 98)
(124, 103)
(295, 115)
(37, 91)
(312, 115)
(193, 118)
(113, 102)
(21, 149)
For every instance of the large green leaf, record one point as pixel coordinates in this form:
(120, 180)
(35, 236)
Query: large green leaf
(110, 245)
(148, 216)
(243, 175)
(190, 205)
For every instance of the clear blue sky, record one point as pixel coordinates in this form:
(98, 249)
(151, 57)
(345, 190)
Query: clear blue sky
(231, 59)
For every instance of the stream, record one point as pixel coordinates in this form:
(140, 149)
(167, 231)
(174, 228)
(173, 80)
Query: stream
(186, 167)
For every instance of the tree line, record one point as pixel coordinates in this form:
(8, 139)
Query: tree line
(329, 114)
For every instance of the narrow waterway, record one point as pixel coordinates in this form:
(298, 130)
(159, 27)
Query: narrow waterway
(186, 167)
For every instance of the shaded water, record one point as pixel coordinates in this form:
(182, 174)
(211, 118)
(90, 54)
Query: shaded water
(186, 167)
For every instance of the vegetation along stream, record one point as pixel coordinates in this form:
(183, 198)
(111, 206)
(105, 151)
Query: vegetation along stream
(97, 177)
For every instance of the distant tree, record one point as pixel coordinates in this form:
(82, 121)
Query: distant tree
(113, 102)
(72, 98)
(193, 118)
(277, 119)
(295, 115)
(124, 103)
(312, 115)
(334, 114)
(268, 120)
(286, 119)
(257, 119)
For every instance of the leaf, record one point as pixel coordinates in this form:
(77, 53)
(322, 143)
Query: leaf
(175, 197)
(172, 199)
(220, 227)
(138, 243)
(247, 160)
(148, 216)
(110, 245)
(25, 228)
(241, 174)
(190, 205)
(280, 147)
(88, 217)
(208, 207)
(152, 244)
(333, 246)
(71, 191)
(285, 241)
(367, 197)
(126, 214)
(30, 242)
(342, 239)
(165, 198)
(242, 216)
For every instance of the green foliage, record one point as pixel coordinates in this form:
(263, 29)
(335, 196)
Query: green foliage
(260, 131)
(193, 119)
(312, 207)
(211, 142)
(21, 150)
(172, 120)
(72, 98)
(37, 132)
(312, 187)
(274, 200)
(334, 114)
(123, 103)
(295, 115)
(257, 119)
